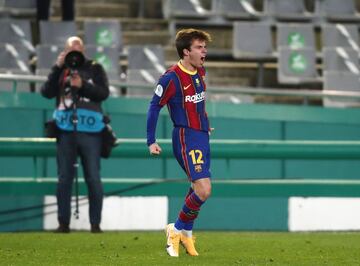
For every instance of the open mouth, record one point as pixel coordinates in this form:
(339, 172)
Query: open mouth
(202, 59)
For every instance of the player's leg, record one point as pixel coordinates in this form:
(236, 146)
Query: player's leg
(188, 226)
(199, 193)
(195, 156)
(190, 211)
(172, 233)
(202, 188)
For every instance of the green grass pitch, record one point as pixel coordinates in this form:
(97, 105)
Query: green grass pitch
(148, 248)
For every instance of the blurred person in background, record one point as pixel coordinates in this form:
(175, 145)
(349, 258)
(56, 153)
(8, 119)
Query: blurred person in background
(182, 89)
(84, 88)
(67, 8)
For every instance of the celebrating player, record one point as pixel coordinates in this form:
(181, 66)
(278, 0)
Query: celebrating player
(182, 89)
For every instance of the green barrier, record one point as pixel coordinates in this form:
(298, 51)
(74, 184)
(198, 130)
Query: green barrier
(226, 149)
(175, 187)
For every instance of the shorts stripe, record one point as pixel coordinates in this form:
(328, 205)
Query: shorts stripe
(183, 151)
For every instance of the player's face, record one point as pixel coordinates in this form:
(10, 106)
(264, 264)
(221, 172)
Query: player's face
(197, 53)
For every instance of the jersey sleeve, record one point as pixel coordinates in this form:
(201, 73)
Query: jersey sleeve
(164, 91)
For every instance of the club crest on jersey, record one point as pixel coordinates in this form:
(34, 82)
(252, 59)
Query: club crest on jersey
(197, 81)
(159, 90)
(196, 98)
(198, 168)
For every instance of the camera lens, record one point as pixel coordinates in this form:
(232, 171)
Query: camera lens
(74, 60)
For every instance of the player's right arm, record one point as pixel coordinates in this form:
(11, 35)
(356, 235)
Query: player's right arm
(152, 118)
(154, 149)
(164, 91)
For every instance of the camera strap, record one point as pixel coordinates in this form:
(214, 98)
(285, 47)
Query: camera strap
(64, 78)
(65, 96)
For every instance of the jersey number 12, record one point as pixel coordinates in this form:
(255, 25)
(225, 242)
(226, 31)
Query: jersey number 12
(196, 156)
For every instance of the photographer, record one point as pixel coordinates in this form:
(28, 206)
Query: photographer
(79, 91)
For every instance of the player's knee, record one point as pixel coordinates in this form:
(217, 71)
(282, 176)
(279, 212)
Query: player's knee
(207, 193)
(204, 193)
(202, 188)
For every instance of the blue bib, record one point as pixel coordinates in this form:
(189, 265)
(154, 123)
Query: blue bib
(88, 121)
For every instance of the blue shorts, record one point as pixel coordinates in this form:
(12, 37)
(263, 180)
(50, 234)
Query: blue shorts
(192, 151)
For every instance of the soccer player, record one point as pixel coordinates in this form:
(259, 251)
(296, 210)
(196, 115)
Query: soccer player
(182, 89)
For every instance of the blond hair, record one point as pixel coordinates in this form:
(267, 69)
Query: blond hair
(73, 40)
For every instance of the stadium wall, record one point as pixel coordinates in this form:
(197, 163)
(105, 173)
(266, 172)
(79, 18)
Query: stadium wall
(234, 207)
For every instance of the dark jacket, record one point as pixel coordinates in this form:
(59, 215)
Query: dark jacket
(95, 88)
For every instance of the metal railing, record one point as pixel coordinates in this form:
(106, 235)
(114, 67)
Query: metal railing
(305, 94)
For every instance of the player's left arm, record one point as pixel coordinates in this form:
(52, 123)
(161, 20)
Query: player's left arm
(202, 72)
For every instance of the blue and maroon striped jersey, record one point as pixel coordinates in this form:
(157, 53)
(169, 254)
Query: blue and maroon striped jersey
(184, 94)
